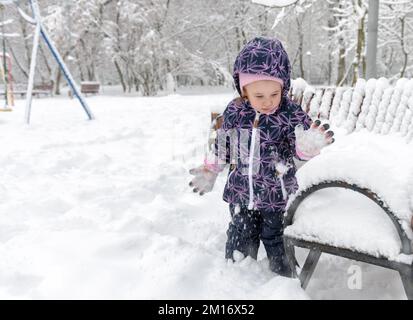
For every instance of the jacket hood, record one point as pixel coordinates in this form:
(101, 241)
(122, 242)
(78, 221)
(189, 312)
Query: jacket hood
(263, 56)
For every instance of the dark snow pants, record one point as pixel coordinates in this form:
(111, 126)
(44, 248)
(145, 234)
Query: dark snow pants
(248, 227)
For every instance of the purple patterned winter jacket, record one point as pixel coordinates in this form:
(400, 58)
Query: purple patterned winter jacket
(276, 133)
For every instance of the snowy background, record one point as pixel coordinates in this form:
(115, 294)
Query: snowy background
(102, 209)
(141, 44)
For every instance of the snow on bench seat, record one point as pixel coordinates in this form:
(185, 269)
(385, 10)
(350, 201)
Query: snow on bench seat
(346, 219)
(381, 163)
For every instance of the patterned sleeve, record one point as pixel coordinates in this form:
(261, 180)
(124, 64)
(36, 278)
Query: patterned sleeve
(299, 117)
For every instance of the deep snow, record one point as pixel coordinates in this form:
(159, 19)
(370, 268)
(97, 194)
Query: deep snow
(102, 209)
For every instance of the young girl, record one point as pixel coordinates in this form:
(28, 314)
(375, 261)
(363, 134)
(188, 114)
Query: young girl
(270, 131)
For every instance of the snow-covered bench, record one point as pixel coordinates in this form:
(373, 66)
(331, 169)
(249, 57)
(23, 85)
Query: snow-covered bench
(355, 199)
(87, 87)
(45, 89)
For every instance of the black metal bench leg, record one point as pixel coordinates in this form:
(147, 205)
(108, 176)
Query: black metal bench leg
(309, 267)
(407, 279)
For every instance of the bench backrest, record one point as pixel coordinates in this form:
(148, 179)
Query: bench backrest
(90, 87)
(43, 86)
(374, 105)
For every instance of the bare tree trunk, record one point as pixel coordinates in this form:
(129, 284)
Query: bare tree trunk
(301, 45)
(79, 66)
(341, 61)
(137, 83)
(332, 23)
(403, 46)
(118, 49)
(131, 81)
(388, 61)
(46, 62)
(237, 32)
(263, 22)
(120, 74)
(341, 67)
(91, 72)
(16, 60)
(241, 37)
(57, 82)
(59, 74)
(27, 46)
(360, 47)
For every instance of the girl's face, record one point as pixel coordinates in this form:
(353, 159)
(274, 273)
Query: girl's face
(264, 95)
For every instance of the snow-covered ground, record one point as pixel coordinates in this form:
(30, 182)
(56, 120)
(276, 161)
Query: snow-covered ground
(102, 210)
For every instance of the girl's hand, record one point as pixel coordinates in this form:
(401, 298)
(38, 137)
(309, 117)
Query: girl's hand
(204, 179)
(323, 130)
(310, 142)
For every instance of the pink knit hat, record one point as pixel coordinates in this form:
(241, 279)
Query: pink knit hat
(247, 78)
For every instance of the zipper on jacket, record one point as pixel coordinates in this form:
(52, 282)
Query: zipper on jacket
(283, 190)
(251, 161)
(232, 168)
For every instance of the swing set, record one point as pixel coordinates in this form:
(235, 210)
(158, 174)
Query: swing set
(39, 33)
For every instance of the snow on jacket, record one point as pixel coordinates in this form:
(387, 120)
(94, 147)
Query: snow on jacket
(266, 187)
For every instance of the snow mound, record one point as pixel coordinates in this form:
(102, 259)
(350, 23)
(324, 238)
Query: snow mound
(344, 218)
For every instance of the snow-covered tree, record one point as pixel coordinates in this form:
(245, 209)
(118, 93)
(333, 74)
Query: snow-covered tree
(347, 33)
(146, 45)
(396, 37)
